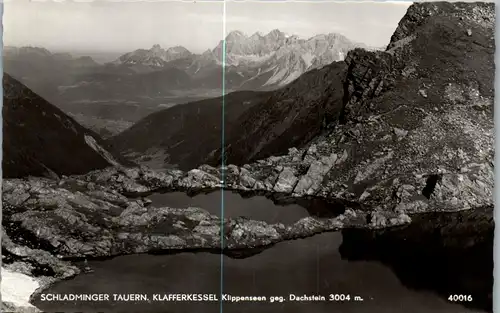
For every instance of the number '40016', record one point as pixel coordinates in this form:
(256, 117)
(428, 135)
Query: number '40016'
(460, 298)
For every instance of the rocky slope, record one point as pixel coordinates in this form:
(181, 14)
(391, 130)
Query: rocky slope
(41, 140)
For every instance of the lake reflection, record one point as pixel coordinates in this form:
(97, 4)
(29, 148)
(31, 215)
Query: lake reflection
(305, 266)
(257, 208)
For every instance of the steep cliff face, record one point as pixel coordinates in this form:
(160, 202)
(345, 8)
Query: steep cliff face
(417, 123)
(480, 13)
(436, 46)
(41, 140)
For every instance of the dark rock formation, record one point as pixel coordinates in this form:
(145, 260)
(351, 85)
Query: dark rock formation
(40, 140)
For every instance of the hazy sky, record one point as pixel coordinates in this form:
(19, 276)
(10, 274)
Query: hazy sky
(121, 26)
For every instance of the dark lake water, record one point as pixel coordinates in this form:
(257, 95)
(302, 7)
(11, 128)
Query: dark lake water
(255, 207)
(258, 208)
(311, 266)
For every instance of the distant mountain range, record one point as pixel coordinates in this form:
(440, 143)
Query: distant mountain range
(256, 62)
(44, 71)
(253, 62)
(144, 81)
(156, 56)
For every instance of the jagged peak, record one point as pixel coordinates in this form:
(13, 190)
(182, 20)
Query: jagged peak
(156, 47)
(235, 34)
(275, 31)
(178, 49)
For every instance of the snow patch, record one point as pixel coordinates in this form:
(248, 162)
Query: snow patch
(90, 141)
(17, 288)
(293, 76)
(278, 76)
(308, 58)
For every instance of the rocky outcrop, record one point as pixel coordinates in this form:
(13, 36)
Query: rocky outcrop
(482, 14)
(26, 270)
(418, 118)
(78, 218)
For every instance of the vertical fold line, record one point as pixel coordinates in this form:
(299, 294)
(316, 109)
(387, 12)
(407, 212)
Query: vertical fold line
(222, 181)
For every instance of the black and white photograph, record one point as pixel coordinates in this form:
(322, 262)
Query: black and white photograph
(247, 156)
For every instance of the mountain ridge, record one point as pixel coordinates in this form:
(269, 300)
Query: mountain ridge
(268, 61)
(166, 76)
